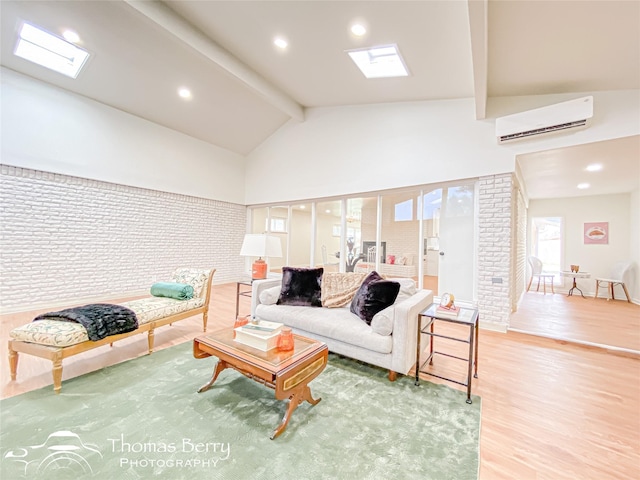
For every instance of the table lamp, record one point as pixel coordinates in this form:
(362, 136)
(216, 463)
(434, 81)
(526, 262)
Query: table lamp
(260, 245)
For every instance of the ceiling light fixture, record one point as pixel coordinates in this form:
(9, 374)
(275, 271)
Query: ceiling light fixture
(583, 186)
(280, 43)
(50, 51)
(594, 167)
(379, 62)
(184, 93)
(358, 29)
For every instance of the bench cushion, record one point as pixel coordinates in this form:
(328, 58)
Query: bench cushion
(152, 308)
(63, 334)
(51, 332)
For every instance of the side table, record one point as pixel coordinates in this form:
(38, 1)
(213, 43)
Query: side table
(575, 275)
(242, 293)
(467, 317)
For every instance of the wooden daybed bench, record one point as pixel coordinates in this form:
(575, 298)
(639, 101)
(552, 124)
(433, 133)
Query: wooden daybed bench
(56, 340)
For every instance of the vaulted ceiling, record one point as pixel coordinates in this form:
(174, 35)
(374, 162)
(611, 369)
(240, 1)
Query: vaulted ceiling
(245, 88)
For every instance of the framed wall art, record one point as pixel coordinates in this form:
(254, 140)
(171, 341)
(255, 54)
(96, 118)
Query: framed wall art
(596, 233)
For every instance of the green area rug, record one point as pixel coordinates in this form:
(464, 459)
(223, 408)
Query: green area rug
(143, 418)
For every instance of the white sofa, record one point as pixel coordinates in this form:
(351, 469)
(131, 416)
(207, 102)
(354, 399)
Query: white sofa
(389, 342)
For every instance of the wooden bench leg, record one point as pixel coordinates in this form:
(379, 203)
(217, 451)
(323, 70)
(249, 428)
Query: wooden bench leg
(13, 363)
(597, 286)
(151, 340)
(624, 287)
(57, 373)
(205, 318)
(392, 376)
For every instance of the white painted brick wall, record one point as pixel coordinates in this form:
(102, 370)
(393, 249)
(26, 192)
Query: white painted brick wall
(63, 239)
(495, 248)
(520, 247)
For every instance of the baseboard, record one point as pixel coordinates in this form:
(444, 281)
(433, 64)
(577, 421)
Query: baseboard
(621, 350)
(494, 327)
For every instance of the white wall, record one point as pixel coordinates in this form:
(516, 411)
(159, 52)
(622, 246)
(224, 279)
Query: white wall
(50, 129)
(595, 259)
(364, 148)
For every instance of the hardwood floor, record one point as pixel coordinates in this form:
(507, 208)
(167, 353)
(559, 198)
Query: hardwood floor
(614, 323)
(550, 409)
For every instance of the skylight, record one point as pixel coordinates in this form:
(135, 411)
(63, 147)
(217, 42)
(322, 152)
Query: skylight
(379, 62)
(50, 51)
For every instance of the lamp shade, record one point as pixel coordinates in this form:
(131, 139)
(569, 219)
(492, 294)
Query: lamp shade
(260, 245)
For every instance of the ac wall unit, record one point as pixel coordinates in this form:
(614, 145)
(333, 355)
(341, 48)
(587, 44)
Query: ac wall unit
(553, 118)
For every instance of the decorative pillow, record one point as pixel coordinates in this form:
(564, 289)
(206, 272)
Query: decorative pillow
(338, 289)
(374, 295)
(270, 295)
(401, 260)
(301, 286)
(407, 288)
(391, 259)
(382, 322)
(177, 291)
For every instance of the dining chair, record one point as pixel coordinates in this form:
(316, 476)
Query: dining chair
(536, 271)
(616, 277)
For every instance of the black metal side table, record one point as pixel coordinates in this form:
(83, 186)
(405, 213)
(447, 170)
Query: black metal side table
(467, 317)
(242, 293)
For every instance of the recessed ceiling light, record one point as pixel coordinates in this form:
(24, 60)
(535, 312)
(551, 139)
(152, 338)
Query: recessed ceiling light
(71, 36)
(358, 29)
(379, 62)
(327, 211)
(50, 51)
(302, 207)
(582, 186)
(594, 167)
(280, 42)
(184, 93)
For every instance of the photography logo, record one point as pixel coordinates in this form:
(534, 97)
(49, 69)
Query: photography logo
(63, 452)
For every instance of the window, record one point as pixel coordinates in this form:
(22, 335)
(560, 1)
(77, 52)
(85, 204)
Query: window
(278, 225)
(50, 51)
(379, 62)
(404, 211)
(546, 242)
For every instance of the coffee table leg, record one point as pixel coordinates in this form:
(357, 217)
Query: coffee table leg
(299, 396)
(219, 367)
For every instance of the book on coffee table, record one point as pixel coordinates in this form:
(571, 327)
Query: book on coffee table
(257, 340)
(263, 327)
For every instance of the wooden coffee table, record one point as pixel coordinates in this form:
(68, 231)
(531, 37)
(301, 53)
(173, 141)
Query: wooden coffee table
(288, 373)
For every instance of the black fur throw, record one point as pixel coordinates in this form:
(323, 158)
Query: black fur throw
(100, 319)
(301, 287)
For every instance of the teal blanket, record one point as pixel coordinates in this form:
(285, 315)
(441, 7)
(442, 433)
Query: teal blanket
(179, 291)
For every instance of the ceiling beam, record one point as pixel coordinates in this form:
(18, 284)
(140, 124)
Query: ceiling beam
(187, 33)
(478, 20)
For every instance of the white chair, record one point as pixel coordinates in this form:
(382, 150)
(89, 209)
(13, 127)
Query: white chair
(617, 276)
(536, 271)
(328, 266)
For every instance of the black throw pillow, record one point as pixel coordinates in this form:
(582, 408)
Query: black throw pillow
(374, 295)
(301, 287)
